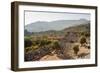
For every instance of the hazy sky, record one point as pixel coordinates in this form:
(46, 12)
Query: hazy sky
(34, 16)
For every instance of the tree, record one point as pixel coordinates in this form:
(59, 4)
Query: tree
(56, 45)
(87, 34)
(83, 40)
(27, 42)
(76, 49)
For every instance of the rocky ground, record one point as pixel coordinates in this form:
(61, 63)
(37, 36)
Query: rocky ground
(84, 53)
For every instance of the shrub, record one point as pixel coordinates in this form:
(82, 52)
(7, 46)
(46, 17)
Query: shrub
(31, 48)
(27, 42)
(76, 49)
(82, 33)
(83, 40)
(56, 45)
(87, 34)
(44, 42)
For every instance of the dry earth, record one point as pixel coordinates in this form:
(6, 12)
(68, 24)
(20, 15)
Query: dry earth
(84, 53)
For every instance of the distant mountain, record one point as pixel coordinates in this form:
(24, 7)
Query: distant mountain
(77, 28)
(58, 25)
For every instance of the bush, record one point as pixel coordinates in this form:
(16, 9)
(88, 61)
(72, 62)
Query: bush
(28, 49)
(76, 49)
(44, 42)
(56, 45)
(83, 40)
(82, 33)
(27, 42)
(87, 34)
(31, 48)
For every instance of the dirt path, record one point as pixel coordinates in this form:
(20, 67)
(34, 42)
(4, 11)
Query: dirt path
(83, 53)
(50, 57)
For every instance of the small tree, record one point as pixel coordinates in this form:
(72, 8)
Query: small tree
(27, 42)
(83, 40)
(87, 34)
(76, 49)
(56, 45)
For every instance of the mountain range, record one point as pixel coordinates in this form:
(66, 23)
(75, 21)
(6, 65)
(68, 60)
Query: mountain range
(42, 26)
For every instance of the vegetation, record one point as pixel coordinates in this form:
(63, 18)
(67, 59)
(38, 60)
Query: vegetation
(28, 42)
(83, 40)
(87, 34)
(63, 43)
(76, 49)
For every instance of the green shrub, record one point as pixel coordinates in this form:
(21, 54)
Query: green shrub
(31, 48)
(27, 42)
(44, 42)
(56, 45)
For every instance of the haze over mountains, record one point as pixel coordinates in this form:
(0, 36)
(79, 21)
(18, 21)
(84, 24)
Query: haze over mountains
(41, 26)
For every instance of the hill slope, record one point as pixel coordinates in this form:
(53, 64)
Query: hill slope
(58, 25)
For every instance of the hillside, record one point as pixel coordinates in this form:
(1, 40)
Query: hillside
(69, 43)
(58, 25)
(77, 28)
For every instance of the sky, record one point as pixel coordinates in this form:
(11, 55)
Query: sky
(35, 16)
